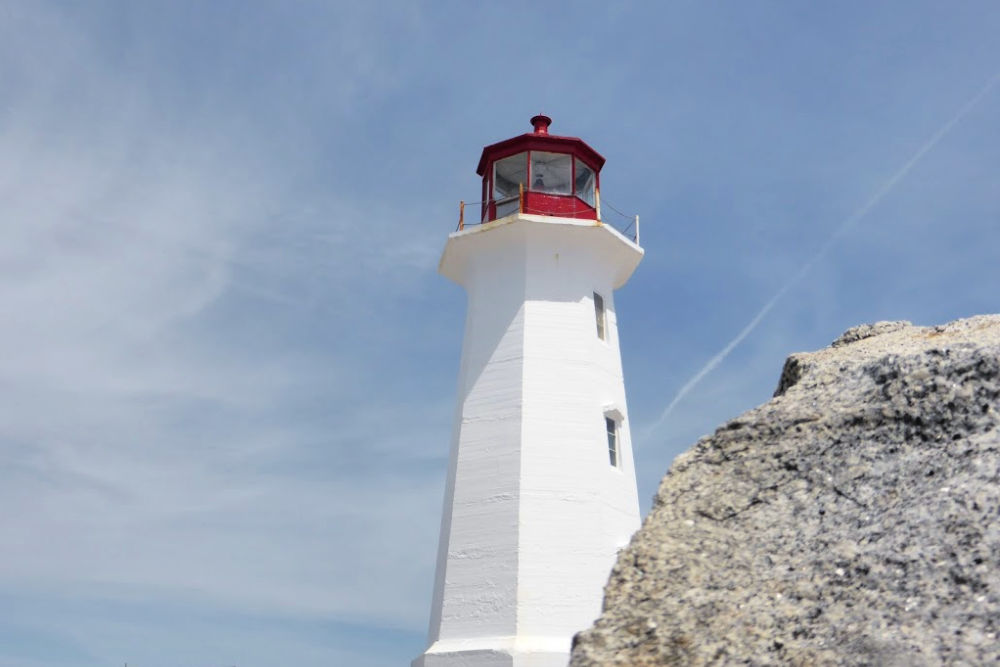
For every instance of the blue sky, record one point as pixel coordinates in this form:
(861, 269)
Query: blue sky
(230, 363)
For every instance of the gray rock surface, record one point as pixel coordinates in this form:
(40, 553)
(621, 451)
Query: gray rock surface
(854, 519)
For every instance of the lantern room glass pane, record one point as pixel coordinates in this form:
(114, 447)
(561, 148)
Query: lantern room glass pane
(507, 206)
(551, 173)
(508, 174)
(485, 204)
(585, 183)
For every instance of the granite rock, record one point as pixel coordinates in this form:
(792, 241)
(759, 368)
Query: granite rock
(854, 519)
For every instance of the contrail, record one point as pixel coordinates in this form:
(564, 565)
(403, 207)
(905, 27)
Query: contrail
(839, 231)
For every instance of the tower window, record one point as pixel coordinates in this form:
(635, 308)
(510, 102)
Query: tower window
(601, 318)
(612, 427)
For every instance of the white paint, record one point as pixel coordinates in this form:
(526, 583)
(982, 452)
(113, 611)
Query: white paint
(534, 513)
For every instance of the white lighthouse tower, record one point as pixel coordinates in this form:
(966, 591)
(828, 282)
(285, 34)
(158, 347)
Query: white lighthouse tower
(541, 488)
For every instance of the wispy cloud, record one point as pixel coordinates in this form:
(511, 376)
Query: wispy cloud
(838, 232)
(144, 450)
(226, 363)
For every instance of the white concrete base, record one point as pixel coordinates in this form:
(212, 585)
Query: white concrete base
(503, 652)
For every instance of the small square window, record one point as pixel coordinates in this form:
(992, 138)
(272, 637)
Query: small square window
(599, 314)
(612, 427)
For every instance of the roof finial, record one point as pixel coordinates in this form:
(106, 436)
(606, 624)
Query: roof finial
(541, 124)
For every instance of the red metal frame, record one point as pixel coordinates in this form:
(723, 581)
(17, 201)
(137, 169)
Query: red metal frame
(566, 206)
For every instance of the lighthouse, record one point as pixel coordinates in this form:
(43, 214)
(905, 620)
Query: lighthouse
(541, 490)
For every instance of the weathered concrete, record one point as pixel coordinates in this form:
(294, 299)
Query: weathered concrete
(854, 519)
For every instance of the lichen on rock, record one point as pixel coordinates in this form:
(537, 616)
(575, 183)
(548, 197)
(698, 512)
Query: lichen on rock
(854, 519)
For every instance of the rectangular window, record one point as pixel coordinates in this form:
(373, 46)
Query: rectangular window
(599, 313)
(509, 174)
(584, 186)
(486, 198)
(551, 173)
(612, 427)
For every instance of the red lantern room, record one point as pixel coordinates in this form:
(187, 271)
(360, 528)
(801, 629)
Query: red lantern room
(541, 173)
